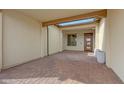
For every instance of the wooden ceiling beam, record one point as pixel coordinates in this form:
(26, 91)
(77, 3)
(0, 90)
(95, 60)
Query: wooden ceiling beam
(79, 27)
(96, 14)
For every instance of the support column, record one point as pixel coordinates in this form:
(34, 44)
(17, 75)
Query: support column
(97, 36)
(47, 41)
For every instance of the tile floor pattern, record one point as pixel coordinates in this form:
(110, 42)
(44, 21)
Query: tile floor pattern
(68, 67)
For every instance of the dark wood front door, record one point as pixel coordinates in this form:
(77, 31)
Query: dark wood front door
(88, 42)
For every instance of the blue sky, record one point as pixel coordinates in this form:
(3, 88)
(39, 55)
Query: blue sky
(82, 21)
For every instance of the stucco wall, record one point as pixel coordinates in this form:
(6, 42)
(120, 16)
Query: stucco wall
(79, 39)
(44, 41)
(102, 34)
(116, 30)
(55, 39)
(21, 38)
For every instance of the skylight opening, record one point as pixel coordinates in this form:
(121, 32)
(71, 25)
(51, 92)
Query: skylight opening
(77, 22)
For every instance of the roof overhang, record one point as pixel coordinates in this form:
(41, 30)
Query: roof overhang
(97, 14)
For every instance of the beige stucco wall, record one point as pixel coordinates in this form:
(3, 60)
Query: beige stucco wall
(44, 41)
(102, 34)
(107, 47)
(116, 30)
(102, 38)
(97, 36)
(55, 39)
(79, 39)
(21, 38)
(0, 40)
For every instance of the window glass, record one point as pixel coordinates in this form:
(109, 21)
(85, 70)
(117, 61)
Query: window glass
(71, 39)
